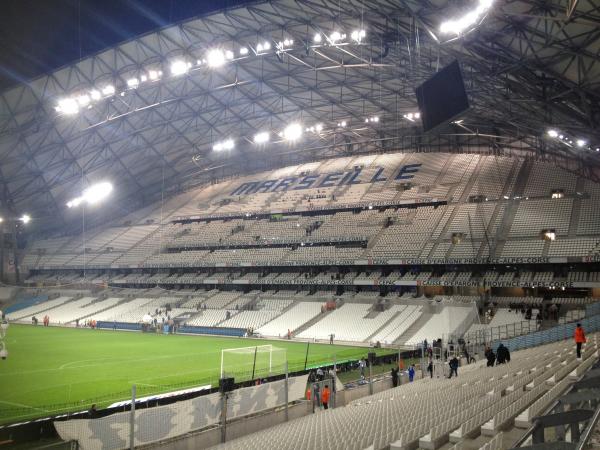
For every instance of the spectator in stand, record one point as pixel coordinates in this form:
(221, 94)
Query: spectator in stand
(453, 363)
(395, 376)
(325, 397)
(411, 373)
(579, 339)
(362, 364)
(490, 356)
(502, 354)
(320, 374)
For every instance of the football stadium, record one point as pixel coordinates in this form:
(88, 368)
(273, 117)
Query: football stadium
(362, 225)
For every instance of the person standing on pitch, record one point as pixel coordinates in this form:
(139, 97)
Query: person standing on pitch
(579, 339)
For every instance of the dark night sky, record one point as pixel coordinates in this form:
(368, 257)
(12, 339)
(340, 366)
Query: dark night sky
(37, 36)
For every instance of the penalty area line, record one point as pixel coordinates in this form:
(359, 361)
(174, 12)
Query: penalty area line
(21, 405)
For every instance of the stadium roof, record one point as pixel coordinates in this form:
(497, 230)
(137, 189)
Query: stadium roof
(529, 66)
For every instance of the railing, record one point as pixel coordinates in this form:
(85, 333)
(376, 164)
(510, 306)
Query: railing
(554, 334)
(592, 310)
(494, 334)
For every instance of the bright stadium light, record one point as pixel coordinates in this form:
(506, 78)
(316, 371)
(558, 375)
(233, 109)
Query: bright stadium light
(68, 106)
(553, 133)
(342, 124)
(95, 95)
(319, 127)
(264, 47)
(262, 137)
(153, 75)
(358, 35)
(133, 83)
(581, 143)
(292, 132)
(215, 58)
(179, 67)
(97, 192)
(83, 100)
(317, 38)
(244, 51)
(25, 218)
(458, 26)
(92, 195)
(224, 145)
(335, 36)
(1, 220)
(229, 54)
(108, 90)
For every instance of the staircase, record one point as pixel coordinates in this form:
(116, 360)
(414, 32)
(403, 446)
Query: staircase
(416, 326)
(382, 326)
(311, 322)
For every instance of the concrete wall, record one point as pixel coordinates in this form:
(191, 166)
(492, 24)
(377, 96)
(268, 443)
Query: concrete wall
(235, 429)
(242, 427)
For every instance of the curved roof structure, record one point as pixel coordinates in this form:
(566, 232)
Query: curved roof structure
(147, 114)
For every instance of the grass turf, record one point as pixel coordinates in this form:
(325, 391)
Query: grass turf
(51, 370)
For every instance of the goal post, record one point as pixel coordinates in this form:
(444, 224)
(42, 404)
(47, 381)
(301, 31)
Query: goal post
(246, 363)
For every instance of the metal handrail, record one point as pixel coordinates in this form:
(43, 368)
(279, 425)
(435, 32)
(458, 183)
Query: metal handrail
(587, 433)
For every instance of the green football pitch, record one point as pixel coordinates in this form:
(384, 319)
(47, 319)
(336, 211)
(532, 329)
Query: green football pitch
(52, 370)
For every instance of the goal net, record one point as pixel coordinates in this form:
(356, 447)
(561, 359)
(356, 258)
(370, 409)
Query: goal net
(247, 363)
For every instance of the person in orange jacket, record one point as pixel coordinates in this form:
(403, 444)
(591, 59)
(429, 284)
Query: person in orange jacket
(579, 339)
(325, 393)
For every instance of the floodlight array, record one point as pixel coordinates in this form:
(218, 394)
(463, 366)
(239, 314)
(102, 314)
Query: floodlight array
(291, 133)
(571, 141)
(412, 116)
(213, 58)
(92, 195)
(227, 144)
(468, 21)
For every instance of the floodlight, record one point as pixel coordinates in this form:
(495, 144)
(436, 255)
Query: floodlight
(292, 132)
(358, 35)
(581, 143)
(215, 58)
(259, 48)
(143, 78)
(25, 218)
(243, 51)
(1, 220)
(261, 138)
(97, 192)
(133, 82)
(457, 26)
(560, 136)
(342, 124)
(318, 127)
(95, 95)
(179, 67)
(154, 74)
(75, 202)
(552, 133)
(224, 145)
(108, 90)
(335, 36)
(68, 106)
(317, 38)
(229, 54)
(267, 46)
(83, 100)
